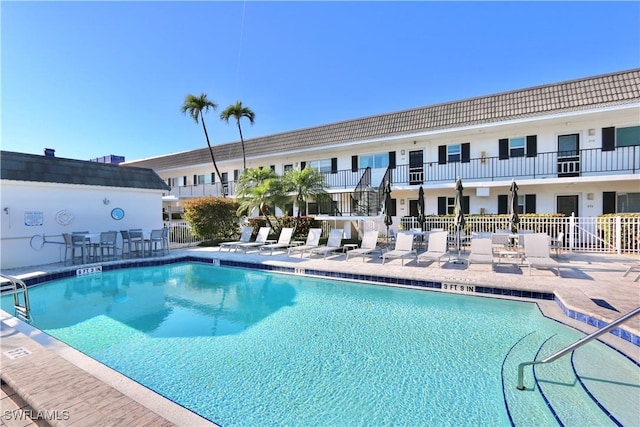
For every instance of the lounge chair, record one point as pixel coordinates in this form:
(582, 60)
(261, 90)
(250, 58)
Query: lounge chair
(369, 244)
(313, 240)
(403, 247)
(537, 254)
(633, 268)
(261, 240)
(284, 241)
(437, 248)
(245, 237)
(481, 252)
(333, 243)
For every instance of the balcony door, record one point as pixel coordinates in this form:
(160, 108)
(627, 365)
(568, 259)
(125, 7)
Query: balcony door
(569, 155)
(416, 167)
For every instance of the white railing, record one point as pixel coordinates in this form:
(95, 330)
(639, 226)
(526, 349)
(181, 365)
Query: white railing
(180, 234)
(614, 234)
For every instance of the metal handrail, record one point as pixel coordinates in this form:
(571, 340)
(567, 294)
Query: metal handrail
(575, 345)
(15, 287)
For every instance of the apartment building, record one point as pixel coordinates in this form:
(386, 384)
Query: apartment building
(572, 147)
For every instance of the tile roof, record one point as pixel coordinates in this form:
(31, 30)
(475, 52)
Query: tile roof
(34, 168)
(594, 92)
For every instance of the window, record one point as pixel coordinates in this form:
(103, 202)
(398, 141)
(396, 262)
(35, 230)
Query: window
(446, 205)
(626, 137)
(453, 153)
(628, 202)
(198, 179)
(323, 165)
(375, 161)
(516, 147)
(526, 203)
(288, 168)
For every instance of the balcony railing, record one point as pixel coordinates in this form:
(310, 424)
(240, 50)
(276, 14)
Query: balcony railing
(588, 162)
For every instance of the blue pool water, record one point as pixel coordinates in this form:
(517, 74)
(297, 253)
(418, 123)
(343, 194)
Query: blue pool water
(244, 347)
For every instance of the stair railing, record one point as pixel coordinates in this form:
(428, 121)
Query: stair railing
(360, 191)
(574, 346)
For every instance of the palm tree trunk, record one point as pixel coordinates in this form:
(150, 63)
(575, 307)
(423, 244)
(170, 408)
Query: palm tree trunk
(244, 158)
(206, 134)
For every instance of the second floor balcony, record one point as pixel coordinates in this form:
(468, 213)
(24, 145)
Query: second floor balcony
(578, 163)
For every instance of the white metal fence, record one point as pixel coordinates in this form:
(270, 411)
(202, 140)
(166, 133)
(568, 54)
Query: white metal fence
(607, 234)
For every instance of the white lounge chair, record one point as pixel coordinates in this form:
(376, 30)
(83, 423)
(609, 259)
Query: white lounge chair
(284, 241)
(369, 245)
(261, 240)
(245, 237)
(537, 254)
(313, 240)
(333, 243)
(437, 248)
(633, 268)
(481, 252)
(403, 248)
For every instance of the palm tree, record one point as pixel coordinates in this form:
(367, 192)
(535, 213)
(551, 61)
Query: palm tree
(238, 111)
(306, 183)
(195, 106)
(260, 189)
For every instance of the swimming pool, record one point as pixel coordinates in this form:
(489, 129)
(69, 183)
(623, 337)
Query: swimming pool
(244, 347)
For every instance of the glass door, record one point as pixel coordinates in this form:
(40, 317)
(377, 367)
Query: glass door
(569, 155)
(416, 167)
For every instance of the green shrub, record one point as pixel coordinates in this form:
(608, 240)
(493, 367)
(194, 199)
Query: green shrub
(212, 217)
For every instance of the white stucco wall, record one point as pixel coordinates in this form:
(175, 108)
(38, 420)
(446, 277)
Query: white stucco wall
(84, 205)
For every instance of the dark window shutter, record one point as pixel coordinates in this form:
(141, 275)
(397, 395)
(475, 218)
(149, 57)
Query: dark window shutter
(303, 165)
(465, 205)
(530, 203)
(465, 152)
(272, 167)
(213, 177)
(503, 204)
(393, 207)
(532, 146)
(354, 163)
(236, 174)
(442, 154)
(334, 165)
(608, 201)
(608, 139)
(195, 179)
(392, 159)
(503, 148)
(184, 180)
(442, 205)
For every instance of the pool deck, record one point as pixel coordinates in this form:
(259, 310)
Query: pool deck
(64, 387)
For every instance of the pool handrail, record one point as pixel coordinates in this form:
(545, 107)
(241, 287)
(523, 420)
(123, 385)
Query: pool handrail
(14, 286)
(575, 345)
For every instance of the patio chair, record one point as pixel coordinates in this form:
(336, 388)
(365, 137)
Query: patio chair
(156, 242)
(633, 268)
(261, 240)
(436, 249)
(284, 241)
(369, 245)
(333, 243)
(108, 240)
(481, 252)
(245, 237)
(557, 243)
(313, 240)
(536, 252)
(403, 248)
(71, 244)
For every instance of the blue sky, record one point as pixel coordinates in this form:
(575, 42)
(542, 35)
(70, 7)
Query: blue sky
(91, 79)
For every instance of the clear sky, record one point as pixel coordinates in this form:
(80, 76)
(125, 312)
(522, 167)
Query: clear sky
(91, 79)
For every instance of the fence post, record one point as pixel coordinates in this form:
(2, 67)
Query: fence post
(572, 230)
(618, 231)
